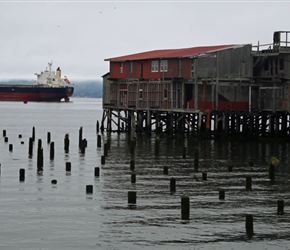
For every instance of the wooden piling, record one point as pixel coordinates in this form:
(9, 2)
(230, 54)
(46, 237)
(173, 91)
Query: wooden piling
(172, 185)
(4, 133)
(132, 197)
(184, 153)
(80, 136)
(30, 147)
(33, 134)
(89, 189)
(6, 139)
(51, 151)
(97, 172)
(271, 172)
(165, 170)
(98, 127)
(10, 147)
(280, 207)
(249, 225)
(196, 159)
(204, 176)
(21, 174)
(103, 160)
(248, 183)
(99, 142)
(221, 194)
(48, 137)
(66, 143)
(54, 181)
(185, 208)
(133, 178)
(68, 166)
(132, 164)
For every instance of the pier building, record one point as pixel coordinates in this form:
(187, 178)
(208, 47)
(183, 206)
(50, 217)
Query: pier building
(233, 89)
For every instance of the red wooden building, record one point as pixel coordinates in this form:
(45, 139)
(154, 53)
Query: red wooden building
(235, 77)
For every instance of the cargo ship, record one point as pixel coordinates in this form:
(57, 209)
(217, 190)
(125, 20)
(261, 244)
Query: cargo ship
(48, 87)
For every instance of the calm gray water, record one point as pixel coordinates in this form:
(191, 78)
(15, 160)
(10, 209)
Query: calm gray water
(35, 214)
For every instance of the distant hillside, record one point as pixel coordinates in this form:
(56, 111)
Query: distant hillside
(88, 89)
(82, 88)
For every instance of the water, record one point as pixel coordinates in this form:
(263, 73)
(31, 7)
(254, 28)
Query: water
(35, 214)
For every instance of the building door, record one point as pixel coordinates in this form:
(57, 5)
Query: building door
(123, 98)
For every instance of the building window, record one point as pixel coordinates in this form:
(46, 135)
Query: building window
(154, 66)
(140, 94)
(163, 66)
(165, 94)
(130, 67)
(121, 67)
(281, 64)
(192, 68)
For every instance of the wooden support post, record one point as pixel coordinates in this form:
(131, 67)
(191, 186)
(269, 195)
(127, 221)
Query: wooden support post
(185, 208)
(280, 207)
(249, 225)
(21, 174)
(132, 197)
(172, 185)
(97, 172)
(248, 183)
(48, 137)
(51, 150)
(89, 189)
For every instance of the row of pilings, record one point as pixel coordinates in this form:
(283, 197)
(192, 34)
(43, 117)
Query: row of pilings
(198, 123)
(40, 167)
(173, 185)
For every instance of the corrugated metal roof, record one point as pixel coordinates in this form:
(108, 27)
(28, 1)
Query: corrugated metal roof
(172, 53)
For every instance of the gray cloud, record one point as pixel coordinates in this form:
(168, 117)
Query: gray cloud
(78, 36)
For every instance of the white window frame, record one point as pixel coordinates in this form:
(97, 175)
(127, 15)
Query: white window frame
(163, 66)
(121, 67)
(154, 66)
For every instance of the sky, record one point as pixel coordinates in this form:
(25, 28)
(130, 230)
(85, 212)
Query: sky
(78, 36)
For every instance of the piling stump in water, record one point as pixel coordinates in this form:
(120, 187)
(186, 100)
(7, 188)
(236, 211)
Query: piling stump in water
(4, 133)
(204, 176)
(184, 153)
(249, 225)
(10, 147)
(6, 139)
(89, 189)
(48, 137)
(185, 208)
(80, 136)
(172, 185)
(21, 174)
(66, 143)
(221, 194)
(248, 183)
(103, 160)
(196, 160)
(98, 127)
(132, 197)
(133, 178)
(105, 149)
(33, 134)
(99, 142)
(39, 156)
(30, 147)
(51, 150)
(54, 181)
(97, 172)
(280, 207)
(132, 164)
(68, 166)
(19, 136)
(165, 170)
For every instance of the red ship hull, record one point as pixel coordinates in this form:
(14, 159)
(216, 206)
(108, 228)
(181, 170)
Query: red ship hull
(27, 93)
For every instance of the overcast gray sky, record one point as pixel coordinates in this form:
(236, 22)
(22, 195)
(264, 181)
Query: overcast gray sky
(79, 35)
